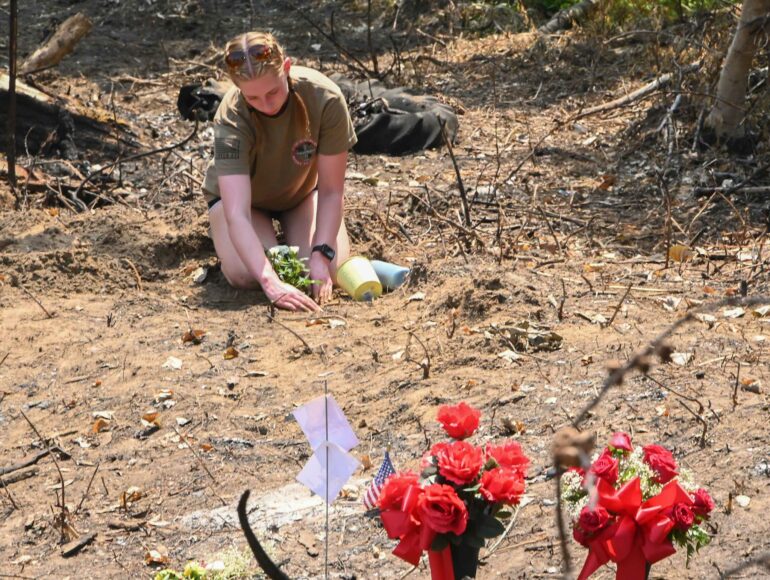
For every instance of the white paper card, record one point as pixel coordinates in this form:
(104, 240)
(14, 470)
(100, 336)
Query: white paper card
(341, 466)
(311, 418)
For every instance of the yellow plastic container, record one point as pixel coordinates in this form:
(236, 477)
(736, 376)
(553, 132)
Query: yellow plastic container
(357, 277)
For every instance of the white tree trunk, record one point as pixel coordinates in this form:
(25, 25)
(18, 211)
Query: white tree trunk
(728, 110)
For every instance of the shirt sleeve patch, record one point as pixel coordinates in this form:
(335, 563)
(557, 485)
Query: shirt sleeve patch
(227, 148)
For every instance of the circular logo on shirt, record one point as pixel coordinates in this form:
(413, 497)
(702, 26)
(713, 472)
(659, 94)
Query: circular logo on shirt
(302, 151)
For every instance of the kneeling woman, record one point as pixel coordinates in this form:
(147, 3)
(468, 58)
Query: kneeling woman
(281, 137)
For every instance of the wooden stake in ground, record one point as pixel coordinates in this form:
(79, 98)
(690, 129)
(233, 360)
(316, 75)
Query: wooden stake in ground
(59, 45)
(11, 150)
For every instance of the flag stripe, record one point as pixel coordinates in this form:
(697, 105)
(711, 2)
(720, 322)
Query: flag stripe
(372, 494)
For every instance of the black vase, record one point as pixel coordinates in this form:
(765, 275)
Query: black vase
(465, 560)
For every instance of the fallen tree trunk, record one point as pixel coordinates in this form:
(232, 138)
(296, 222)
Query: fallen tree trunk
(639, 93)
(564, 19)
(59, 45)
(50, 126)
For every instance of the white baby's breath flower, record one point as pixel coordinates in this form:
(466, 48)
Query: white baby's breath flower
(686, 480)
(571, 481)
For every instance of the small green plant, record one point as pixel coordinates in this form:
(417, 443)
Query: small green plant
(289, 267)
(231, 564)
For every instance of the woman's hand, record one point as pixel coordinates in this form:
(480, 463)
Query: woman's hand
(319, 271)
(287, 296)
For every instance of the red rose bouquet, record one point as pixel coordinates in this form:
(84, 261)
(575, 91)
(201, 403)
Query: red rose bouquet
(632, 506)
(457, 502)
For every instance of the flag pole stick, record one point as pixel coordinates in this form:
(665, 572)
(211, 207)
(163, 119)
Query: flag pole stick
(326, 531)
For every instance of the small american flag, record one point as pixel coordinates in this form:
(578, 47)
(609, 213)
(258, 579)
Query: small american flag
(373, 493)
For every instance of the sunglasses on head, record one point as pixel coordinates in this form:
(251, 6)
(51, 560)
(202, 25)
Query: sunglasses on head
(257, 52)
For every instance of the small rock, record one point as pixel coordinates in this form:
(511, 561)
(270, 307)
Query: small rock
(743, 500)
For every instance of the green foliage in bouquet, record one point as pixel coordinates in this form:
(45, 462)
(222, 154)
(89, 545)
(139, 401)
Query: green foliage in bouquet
(289, 267)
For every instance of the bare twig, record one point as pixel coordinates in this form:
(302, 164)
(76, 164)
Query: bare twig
(425, 363)
(63, 514)
(460, 184)
(8, 491)
(85, 495)
(565, 554)
(28, 462)
(28, 293)
(136, 273)
(10, 151)
(550, 228)
(307, 350)
(504, 535)
(560, 311)
(617, 308)
(112, 164)
(197, 457)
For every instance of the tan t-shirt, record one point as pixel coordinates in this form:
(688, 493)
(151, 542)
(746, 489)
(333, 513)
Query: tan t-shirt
(282, 162)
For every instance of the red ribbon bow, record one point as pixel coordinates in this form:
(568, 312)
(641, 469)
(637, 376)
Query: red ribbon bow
(640, 534)
(414, 538)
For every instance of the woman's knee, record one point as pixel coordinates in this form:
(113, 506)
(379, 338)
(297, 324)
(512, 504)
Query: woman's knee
(237, 277)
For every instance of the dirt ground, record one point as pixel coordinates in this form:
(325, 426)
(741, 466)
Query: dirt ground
(569, 236)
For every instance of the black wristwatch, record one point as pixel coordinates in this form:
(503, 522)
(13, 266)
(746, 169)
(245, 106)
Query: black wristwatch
(326, 251)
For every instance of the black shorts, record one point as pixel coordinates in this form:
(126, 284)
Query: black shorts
(273, 214)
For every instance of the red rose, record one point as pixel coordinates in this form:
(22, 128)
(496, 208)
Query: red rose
(590, 523)
(459, 462)
(441, 509)
(460, 421)
(427, 459)
(703, 505)
(621, 442)
(606, 467)
(394, 490)
(580, 536)
(683, 516)
(662, 462)
(502, 485)
(509, 455)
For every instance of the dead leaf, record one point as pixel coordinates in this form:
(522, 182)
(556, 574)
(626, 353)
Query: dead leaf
(594, 267)
(172, 363)
(607, 182)
(206, 447)
(194, 336)
(230, 353)
(751, 385)
(416, 297)
(100, 425)
(761, 311)
(157, 556)
(366, 462)
(509, 355)
(164, 395)
(709, 290)
(680, 253)
(57, 485)
(662, 411)
(733, 312)
(150, 419)
(681, 358)
(707, 318)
